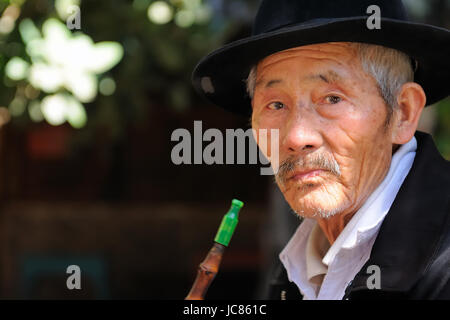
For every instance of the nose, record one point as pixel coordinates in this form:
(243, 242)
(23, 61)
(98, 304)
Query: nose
(301, 136)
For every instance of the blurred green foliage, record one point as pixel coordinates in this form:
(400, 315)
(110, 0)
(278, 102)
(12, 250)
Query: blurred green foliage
(442, 129)
(158, 58)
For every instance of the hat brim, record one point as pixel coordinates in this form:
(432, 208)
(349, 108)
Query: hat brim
(221, 76)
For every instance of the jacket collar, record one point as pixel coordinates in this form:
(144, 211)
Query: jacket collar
(410, 233)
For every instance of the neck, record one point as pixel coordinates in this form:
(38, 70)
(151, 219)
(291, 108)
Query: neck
(334, 225)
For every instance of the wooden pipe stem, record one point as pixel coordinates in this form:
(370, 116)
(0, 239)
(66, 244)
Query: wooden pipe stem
(206, 272)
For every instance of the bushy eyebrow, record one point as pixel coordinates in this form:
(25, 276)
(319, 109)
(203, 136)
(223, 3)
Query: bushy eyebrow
(328, 77)
(269, 83)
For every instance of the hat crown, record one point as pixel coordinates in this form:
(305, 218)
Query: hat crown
(275, 14)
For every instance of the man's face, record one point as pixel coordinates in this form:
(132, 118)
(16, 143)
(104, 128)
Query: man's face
(334, 147)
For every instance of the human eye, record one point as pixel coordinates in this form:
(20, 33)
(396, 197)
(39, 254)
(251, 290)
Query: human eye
(275, 105)
(333, 99)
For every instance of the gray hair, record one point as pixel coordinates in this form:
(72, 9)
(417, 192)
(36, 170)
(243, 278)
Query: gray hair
(389, 67)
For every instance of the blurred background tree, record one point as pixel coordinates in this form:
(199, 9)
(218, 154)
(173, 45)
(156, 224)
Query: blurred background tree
(162, 41)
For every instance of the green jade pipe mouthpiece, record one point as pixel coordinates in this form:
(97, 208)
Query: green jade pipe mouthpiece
(229, 223)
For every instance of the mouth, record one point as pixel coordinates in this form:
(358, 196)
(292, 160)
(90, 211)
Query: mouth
(303, 175)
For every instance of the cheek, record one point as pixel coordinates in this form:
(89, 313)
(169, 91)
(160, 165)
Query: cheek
(356, 139)
(266, 131)
(267, 139)
(358, 126)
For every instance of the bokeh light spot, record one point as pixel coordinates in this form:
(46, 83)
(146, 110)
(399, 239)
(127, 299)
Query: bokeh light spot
(107, 86)
(160, 12)
(17, 68)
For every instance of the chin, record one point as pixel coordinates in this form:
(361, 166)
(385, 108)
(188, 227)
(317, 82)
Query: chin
(313, 201)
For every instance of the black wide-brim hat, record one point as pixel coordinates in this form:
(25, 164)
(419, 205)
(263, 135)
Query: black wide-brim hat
(283, 24)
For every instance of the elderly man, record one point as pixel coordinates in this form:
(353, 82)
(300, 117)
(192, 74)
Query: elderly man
(346, 97)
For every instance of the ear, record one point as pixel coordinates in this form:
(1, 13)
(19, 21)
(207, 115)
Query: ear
(410, 102)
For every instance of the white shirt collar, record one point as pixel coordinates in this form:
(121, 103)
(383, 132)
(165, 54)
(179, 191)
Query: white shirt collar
(317, 246)
(303, 256)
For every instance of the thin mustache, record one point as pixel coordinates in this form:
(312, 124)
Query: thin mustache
(319, 161)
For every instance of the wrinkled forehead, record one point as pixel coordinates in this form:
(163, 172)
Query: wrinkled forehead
(330, 62)
(334, 53)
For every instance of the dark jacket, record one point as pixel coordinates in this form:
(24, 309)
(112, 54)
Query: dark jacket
(412, 248)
